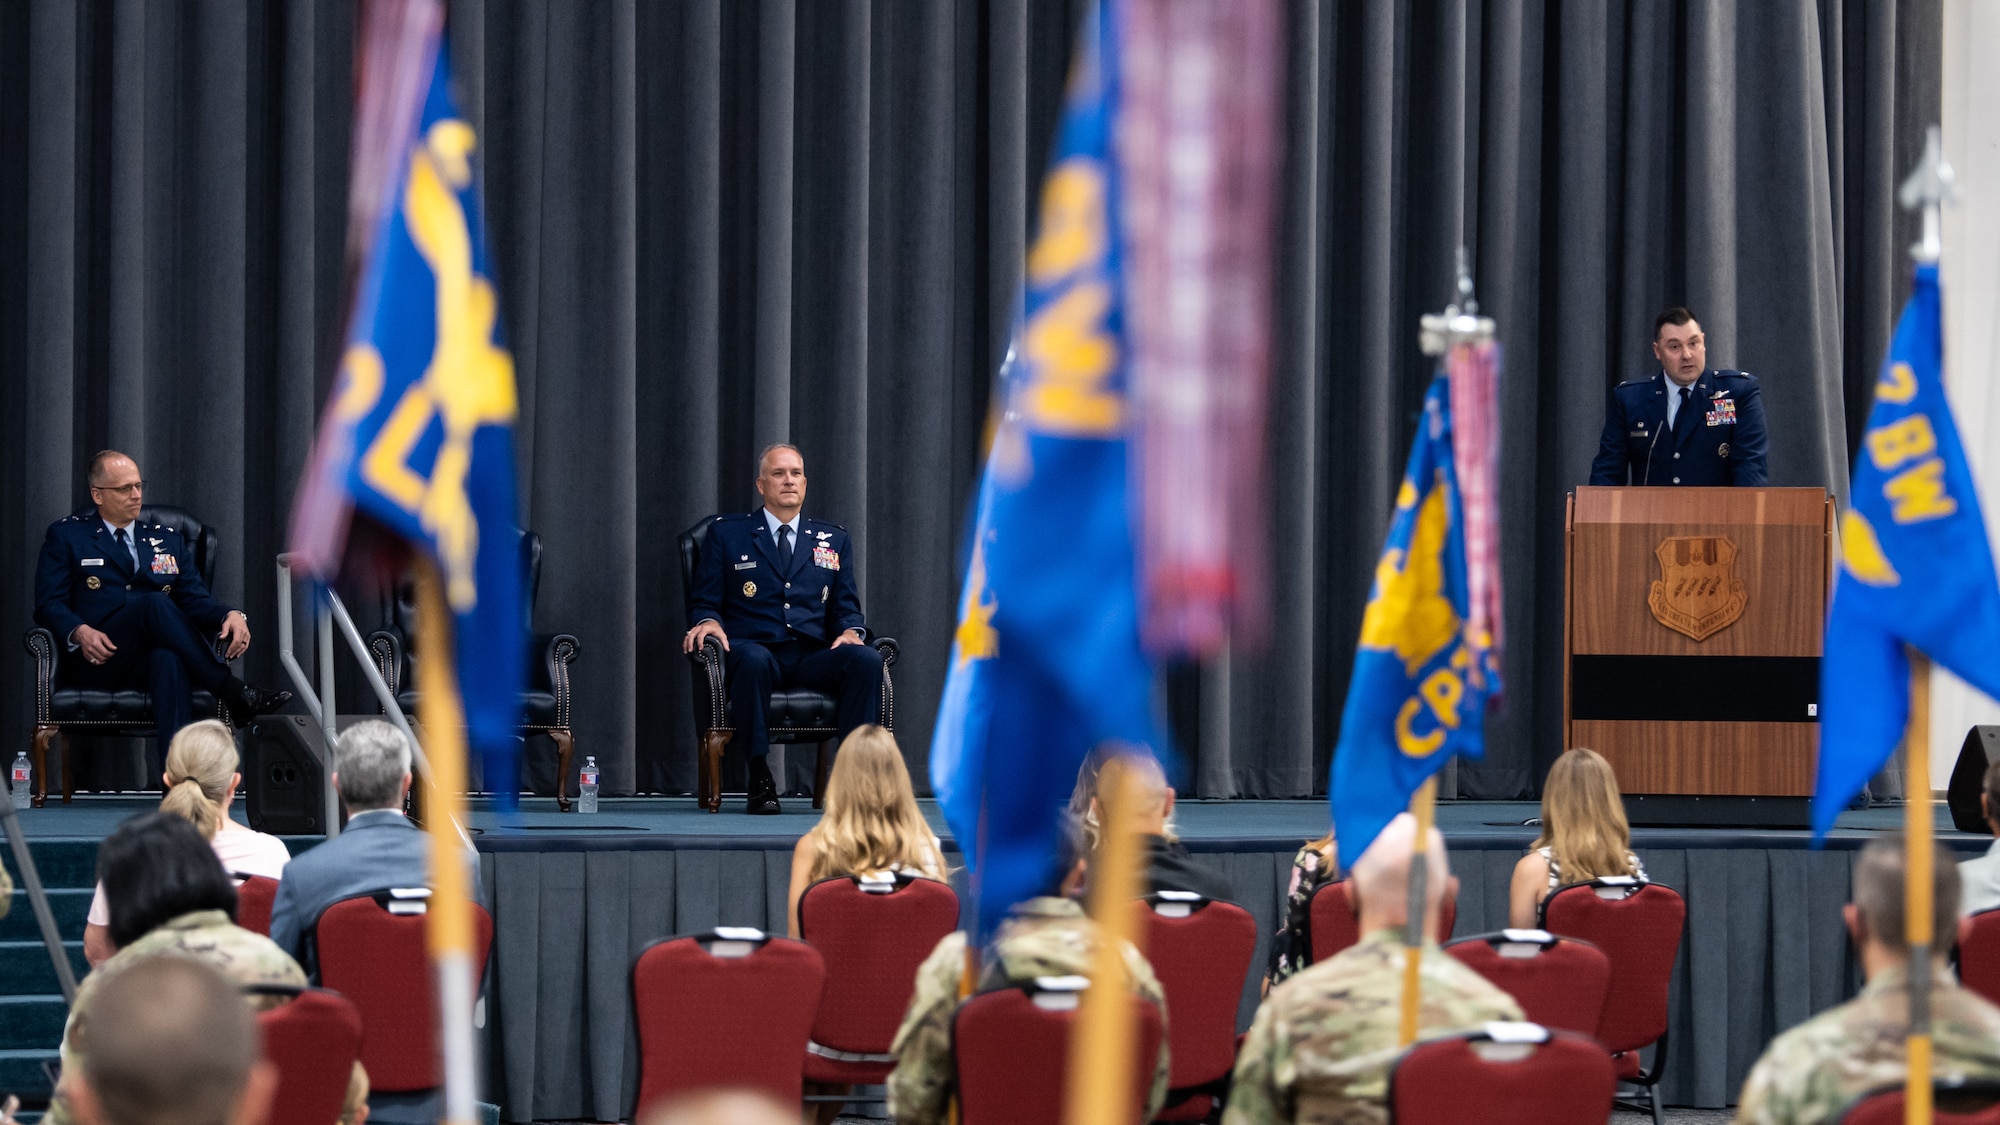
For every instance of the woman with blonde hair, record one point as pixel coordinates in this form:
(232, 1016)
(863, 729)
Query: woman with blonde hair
(201, 781)
(1291, 947)
(871, 824)
(1584, 835)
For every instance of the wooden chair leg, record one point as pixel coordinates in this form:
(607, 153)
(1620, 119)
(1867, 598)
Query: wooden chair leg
(39, 751)
(708, 777)
(565, 753)
(820, 770)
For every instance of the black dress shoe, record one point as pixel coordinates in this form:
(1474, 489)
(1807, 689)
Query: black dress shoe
(256, 701)
(763, 799)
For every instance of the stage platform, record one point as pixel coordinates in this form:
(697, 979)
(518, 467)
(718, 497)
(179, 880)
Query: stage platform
(673, 823)
(576, 897)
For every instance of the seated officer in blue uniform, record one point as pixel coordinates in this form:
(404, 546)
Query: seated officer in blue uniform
(777, 590)
(1685, 425)
(131, 609)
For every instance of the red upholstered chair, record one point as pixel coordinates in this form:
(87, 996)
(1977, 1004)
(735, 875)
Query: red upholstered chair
(1504, 1074)
(371, 950)
(1559, 982)
(731, 1007)
(1201, 950)
(1333, 925)
(1011, 1050)
(254, 896)
(1979, 953)
(313, 1041)
(1638, 926)
(871, 936)
(1971, 1103)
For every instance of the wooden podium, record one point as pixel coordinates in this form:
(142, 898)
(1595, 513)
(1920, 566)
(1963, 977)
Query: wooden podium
(1691, 645)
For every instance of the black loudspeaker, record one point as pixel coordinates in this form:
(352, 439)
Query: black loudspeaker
(1968, 779)
(284, 786)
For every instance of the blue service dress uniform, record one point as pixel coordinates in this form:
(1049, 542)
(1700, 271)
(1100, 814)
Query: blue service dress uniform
(155, 610)
(1717, 438)
(780, 620)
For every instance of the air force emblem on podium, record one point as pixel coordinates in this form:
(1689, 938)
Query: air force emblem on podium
(1698, 592)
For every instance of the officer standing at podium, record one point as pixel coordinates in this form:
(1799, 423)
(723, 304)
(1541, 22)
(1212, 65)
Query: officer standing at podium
(1686, 424)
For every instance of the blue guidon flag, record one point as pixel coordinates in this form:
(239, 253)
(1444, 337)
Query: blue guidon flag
(1422, 674)
(1046, 662)
(419, 433)
(1915, 565)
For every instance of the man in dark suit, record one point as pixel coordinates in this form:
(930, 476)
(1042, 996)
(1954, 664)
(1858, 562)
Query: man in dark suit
(128, 602)
(379, 849)
(777, 591)
(1686, 424)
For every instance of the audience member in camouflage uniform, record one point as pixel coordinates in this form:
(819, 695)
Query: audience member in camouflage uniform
(1046, 937)
(169, 897)
(173, 1042)
(1814, 1071)
(1320, 1049)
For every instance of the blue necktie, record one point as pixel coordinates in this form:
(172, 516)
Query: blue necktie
(785, 548)
(125, 545)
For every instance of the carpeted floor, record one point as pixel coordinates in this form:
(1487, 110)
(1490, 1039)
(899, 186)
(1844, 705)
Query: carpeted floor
(1673, 1117)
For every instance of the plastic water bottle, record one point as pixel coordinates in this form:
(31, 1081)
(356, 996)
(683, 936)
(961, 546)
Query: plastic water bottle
(23, 774)
(586, 800)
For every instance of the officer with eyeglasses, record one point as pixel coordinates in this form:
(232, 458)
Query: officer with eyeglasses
(127, 602)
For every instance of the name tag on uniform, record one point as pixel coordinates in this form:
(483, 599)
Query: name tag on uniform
(93, 562)
(745, 566)
(827, 557)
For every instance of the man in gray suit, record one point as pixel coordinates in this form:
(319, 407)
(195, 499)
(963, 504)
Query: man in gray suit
(379, 848)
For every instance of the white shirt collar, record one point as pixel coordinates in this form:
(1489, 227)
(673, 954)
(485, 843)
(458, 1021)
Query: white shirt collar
(772, 523)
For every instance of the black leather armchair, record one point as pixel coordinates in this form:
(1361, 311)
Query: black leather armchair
(545, 700)
(61, 710)
(792, 716)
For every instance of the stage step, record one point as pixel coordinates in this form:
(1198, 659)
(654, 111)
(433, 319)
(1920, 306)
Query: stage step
(66, 862)
(33, 1021)
(21, 1074)
(25, 968)
(31, 1007)
(70, 905)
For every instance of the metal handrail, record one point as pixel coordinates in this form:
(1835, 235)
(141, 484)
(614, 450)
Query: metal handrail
(330, 612)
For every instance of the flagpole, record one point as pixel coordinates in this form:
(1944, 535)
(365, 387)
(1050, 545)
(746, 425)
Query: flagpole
(450, 915)
(1423, 806)
(1101, 1060)
(1918, 820)
(968, 972)
(1926, 190)
(1459, 324)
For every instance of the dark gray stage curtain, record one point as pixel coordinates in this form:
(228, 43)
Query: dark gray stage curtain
(718, 224)
(172, 207)
(1600, 161)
